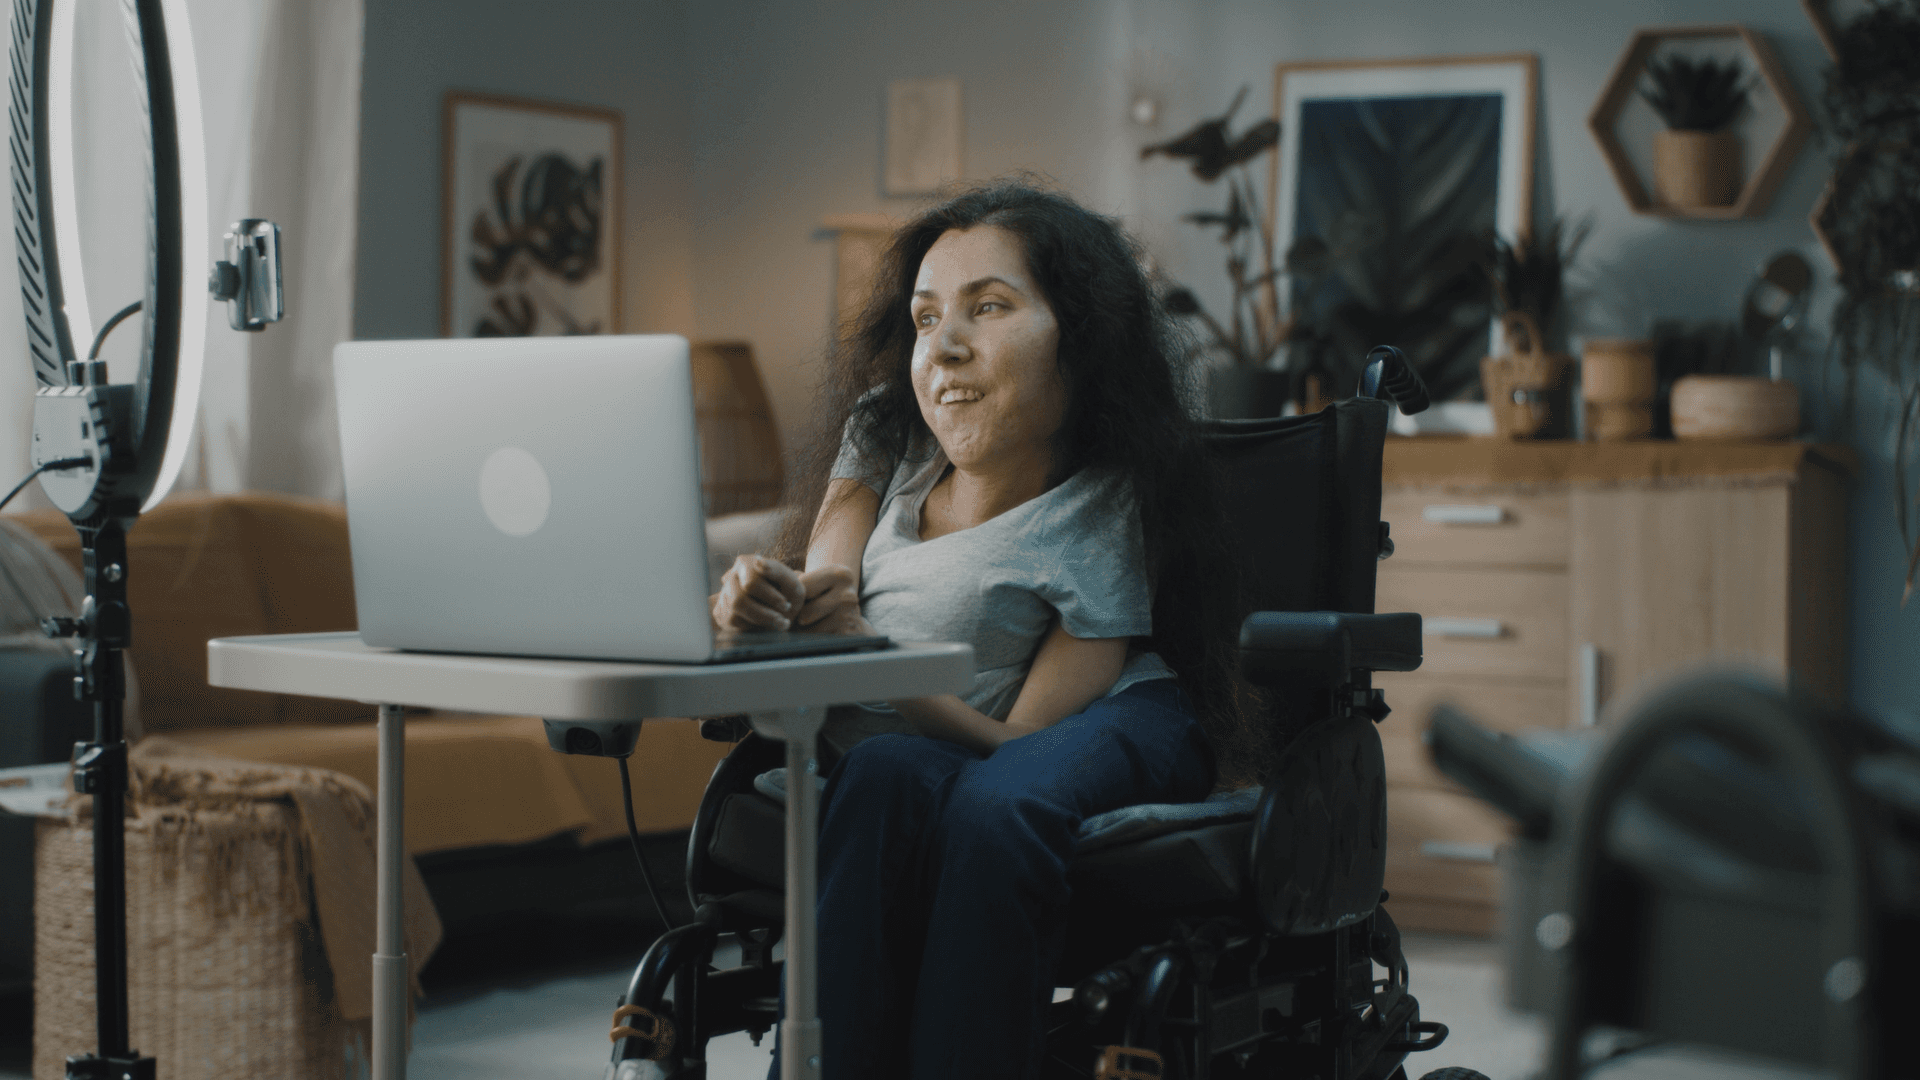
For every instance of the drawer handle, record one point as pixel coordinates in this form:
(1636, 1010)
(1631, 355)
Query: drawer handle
(1445, 514)
(1589, 684)
(1457, 851)
(1441, 626)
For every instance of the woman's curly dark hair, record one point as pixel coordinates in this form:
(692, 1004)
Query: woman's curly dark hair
(1122, 363)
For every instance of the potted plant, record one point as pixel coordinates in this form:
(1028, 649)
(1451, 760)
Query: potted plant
(1696, 161)
(1529, 388)
(1250, 337)
(1870, 219)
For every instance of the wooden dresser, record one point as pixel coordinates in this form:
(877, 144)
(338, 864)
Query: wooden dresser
(1556, 578)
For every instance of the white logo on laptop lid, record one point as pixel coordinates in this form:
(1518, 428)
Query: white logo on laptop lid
(514, 491)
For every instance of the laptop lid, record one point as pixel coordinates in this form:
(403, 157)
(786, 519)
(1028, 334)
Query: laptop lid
(526, 496)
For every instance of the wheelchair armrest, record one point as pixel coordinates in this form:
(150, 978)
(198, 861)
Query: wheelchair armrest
(1328, 645)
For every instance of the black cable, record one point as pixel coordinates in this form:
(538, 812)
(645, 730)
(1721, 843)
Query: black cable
(100, 338)
(633, 834)
(60, 463)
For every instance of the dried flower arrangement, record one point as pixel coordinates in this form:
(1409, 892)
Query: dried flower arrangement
(1529, 280)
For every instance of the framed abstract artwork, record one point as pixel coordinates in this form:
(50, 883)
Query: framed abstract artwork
(531, 218)
(1389, 176)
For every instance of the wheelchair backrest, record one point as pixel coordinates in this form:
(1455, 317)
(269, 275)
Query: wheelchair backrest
(1303, 504)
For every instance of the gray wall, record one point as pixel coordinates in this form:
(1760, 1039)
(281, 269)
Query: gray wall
(627, 54)
(775, 111)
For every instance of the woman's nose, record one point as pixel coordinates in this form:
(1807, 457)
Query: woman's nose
(952, 343)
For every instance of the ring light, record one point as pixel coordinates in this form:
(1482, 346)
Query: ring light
(106, 452)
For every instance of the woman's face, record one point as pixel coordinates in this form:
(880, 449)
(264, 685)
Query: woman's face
(986, 351)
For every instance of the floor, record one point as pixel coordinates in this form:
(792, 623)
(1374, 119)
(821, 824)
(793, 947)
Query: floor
(534, 1001)
(556, 1026)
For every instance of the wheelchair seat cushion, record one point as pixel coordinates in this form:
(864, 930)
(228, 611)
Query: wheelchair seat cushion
(1153, 855)
(1132, 824)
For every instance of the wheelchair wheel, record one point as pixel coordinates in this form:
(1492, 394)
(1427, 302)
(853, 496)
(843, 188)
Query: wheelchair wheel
(1454, 1072)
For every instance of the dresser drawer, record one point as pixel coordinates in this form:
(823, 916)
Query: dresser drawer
(1502, 704)
(1483, 622)
(1440, 846)
(1478, 530)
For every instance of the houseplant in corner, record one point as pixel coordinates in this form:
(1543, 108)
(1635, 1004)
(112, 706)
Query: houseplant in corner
(1697, 160)
(1247, 340)
(1870, 219)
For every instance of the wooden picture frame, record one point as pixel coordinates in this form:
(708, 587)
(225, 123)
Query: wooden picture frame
(505, 160)
(1480, 109)
(1518, 82)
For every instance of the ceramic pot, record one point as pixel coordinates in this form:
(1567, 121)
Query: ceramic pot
(1529, 394)
(1696, 170)
(1243, 393)
(1617, 386)
(1735, 407)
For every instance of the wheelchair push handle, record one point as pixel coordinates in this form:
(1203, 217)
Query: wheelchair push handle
(1390, 375)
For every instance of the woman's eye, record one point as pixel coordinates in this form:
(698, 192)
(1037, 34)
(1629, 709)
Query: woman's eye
(925, 318)
(993, 305)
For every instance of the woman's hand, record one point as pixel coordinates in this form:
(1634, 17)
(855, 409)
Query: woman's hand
(832, 602)
(758, 593)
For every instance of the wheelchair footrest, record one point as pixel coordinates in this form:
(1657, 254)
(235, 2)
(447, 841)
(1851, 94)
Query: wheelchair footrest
(1128, 1063)
(649, 1026)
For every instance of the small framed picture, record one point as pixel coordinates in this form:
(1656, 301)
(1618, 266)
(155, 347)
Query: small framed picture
(923, 135)
(531, 205)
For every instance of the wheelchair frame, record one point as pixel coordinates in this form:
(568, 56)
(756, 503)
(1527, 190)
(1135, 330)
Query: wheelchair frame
(1278, 981)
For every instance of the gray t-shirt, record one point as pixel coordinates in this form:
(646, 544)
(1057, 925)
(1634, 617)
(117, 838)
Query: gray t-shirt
(1074, 553)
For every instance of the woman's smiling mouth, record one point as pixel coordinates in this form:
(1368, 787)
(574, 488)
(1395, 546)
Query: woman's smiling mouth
(956, 395)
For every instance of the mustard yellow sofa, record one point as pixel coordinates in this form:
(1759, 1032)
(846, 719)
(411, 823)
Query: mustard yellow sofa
(497, 821)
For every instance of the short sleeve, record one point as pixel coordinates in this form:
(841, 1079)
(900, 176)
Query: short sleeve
(1097, 578)
(854, 462)
(851, 464)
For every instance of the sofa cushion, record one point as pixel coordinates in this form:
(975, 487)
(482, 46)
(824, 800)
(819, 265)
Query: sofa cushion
(474, 781)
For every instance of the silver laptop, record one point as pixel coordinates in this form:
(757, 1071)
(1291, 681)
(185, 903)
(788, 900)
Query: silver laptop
(534, 497)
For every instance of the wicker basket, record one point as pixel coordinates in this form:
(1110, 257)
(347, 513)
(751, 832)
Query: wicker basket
(225, 971)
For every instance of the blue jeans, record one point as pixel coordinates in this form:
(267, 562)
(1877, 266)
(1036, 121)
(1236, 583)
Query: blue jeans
(943, 881)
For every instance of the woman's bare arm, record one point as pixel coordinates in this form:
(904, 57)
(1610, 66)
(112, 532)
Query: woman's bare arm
(1068, 674)
(832, 575)
(759, 593)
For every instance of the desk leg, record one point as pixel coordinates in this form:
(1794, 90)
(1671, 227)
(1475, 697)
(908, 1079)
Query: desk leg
(800, 1031)
(389, 956)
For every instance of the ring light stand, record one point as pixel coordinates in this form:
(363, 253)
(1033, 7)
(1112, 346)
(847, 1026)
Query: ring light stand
(105, 452)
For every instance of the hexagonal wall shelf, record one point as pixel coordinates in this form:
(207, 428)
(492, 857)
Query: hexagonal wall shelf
(1624, 124)
(1828, 16)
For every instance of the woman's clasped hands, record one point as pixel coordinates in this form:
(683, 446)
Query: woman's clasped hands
(759, 593)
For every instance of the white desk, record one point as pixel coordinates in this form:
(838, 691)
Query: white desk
(787, 699)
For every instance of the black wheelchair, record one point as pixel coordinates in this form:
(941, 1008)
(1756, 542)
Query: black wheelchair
(1238, 937)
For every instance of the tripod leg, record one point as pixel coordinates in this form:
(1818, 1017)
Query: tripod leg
(389, 957)
(100, 770)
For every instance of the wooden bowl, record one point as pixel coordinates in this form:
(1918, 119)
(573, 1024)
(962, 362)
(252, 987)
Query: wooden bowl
(1735, 407)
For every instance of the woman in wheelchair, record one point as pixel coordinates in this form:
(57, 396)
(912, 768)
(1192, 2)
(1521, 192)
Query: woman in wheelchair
(1014, 470)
